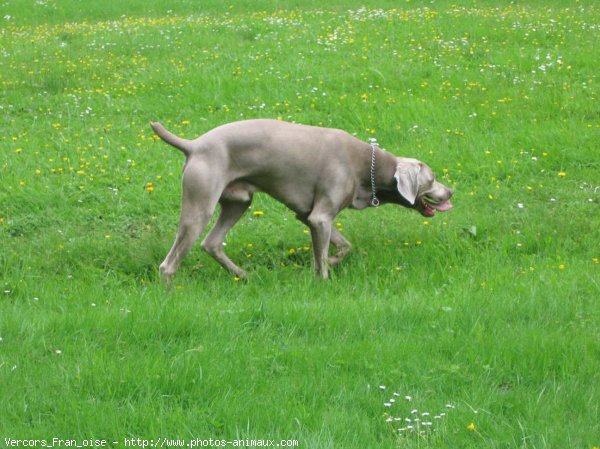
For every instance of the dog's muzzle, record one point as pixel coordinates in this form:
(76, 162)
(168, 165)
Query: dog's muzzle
(428, 206)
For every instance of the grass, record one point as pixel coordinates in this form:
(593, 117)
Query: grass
(491, 308)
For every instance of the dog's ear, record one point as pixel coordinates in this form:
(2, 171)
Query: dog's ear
(407, 177)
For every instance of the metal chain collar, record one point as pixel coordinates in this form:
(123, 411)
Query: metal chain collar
(374, 200)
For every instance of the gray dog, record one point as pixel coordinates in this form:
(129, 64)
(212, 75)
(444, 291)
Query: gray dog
(316, 172)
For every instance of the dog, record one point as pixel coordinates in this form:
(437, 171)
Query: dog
(314, 171)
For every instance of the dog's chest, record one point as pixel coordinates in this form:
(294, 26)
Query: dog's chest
(361, 199)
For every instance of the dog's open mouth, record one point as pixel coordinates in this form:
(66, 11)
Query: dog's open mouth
(429, 206)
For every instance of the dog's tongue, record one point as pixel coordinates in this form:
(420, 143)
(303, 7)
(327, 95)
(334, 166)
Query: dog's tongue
(443, 206)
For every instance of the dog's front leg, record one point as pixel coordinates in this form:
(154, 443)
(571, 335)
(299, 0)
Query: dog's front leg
(320, 229)
(343, 247)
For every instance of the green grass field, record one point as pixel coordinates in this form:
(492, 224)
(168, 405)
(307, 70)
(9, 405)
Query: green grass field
(487, 317)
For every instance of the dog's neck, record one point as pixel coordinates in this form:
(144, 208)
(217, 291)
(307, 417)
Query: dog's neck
(385, 168)
(386, 190)
(386, 185)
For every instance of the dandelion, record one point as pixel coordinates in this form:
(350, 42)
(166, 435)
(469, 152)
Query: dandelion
(471, 427)
(258, 213)
(149, 187)
(562, 266)
(292, 251)
(185, 122)
(562, 174)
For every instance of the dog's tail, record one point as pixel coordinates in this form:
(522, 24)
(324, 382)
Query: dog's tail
(178, 142)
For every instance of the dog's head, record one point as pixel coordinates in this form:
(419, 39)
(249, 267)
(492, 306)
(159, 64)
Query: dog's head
(416, 183)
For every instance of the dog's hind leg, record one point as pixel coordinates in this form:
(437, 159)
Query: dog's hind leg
(231, 212)
(200, 196)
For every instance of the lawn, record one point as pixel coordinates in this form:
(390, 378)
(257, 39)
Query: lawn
(477, 328)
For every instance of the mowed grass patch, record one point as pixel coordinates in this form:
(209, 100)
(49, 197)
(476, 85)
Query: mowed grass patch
(487, 313)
